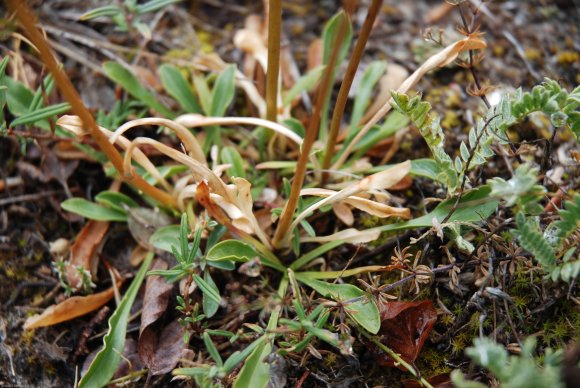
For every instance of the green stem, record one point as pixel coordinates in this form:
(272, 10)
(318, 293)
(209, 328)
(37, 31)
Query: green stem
(347, 83)
(397, 358)
(273, 321)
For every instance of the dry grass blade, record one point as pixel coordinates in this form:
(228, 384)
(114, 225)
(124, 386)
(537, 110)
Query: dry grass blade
(351, 235)
(442, 58)
(189, 141)
(379, 181)
(74, 125)
(235, 200)
(372, 207)
(192, 120)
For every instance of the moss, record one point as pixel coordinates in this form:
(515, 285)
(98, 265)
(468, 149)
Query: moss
(567, 58)
(432, 362)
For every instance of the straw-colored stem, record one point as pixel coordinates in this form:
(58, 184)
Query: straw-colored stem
(347, 83)
(272, 74)
(67, 89)
(280, 237)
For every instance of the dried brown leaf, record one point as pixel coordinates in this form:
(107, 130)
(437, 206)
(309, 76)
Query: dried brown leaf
(70, 308)
(83, 251)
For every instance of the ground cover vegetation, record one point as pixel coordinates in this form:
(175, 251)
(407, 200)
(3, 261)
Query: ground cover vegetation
(287, 212)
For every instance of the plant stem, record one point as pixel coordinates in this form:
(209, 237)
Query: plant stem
(272, 74)
(397, 358)
(347, 83)
(280, 237)
(67, 89)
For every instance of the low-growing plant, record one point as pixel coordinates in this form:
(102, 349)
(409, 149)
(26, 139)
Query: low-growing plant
(250, 198)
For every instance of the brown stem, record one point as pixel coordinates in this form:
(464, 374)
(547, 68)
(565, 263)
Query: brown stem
(280, 237)
(469, 29)
(272, 74)
(70, 94)
(347, 83)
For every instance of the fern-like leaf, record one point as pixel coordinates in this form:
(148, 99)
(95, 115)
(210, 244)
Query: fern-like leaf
(530, 239)
(570, 218)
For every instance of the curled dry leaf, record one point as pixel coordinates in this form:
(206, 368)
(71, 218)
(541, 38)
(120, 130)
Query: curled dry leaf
(164, 349)
(372, 207)
(343, 212)
(404, 328)
(156, 298)
(378, 181)
(193, 120)
(440, 59)
(83, 252)
(74, 125)
(351, 235)
(70, 308)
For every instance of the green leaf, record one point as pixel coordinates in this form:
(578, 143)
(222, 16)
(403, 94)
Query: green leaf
(131, 85)
(223, 91)
(231, 250)
(329, 35)
(313, 254)
(230, 155)
(209, 290)
(108, 10)
(106, 361)
(255, 373)
(165, 237)
(203, 93)
(305, 83)
(357, 303)
(521, 188)
(178, 87)
(370, 77)
(154, 5)
(329, 43)
(93, 211)
(41, 114)
(531, 239)
(212, 350)
(18, 96)
(474, 206)
(115, 200)
(570, 217)
(210, 305)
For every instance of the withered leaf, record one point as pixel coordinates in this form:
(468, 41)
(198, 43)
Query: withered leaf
(404, 328)
(144, 222)
(156, 298)
(69, 309)
(83, 251)
(161, 351)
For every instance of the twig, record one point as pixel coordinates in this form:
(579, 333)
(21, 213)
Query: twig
(347, 83)
(28, 197)
(280, 237)
(466, 170)
(469, 30)
(273, 71)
